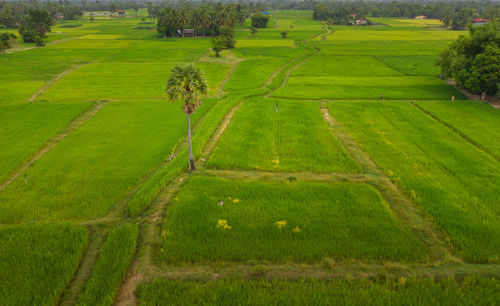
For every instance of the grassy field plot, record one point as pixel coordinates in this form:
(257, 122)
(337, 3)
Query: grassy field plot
(91, 169)
(104, 81)
(402, 35)
(12, 92)
(477, 121)
(324, 65)
(37, 262)
(215, 219)
(296, 138)
(370, 88)
(452, 180)
(412, 65)
(377, 47)
(253, 73)
(26, 127)
(471, 291)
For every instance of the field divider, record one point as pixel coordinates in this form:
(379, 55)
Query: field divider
(289, 176)
(407, 211)
(53, 81)
(75, 124)
(457, 131)
(87, 263)
(220, 90)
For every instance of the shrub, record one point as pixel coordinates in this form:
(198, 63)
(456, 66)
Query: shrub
(259, 20)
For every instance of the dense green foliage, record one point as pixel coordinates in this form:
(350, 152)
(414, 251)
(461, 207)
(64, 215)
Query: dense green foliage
(38, 261)
(109, 270)
(34, 27)
(420, 291)
(474, 61)
(7, 40)
(259, 20)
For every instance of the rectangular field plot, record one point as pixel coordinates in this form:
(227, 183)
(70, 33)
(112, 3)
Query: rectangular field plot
(296, 138)
(325, 65)
(477, 121)
(26, 127)
(125, 81)
(412, 65)
(414, 291)
(18, 92)
(37, 262)
(215, 219)
(91, 169)
(455, 182)
(253, 73)
(371, 88)
(375, 47)
(401, 35)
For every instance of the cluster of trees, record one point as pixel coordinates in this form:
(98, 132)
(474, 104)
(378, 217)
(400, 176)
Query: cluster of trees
(259, 20)
(206, 19)
(225, 40)
(456, 14)
(12, 14)
(34, 26)
(474, 61)
(7, 41)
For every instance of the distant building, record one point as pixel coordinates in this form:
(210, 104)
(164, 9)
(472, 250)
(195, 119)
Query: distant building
(480, 21)
(361, 22)
(59, 16)
(189, 33)
(121, 13)
(421, 17)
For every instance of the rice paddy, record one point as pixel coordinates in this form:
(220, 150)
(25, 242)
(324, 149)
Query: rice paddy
(332, 168)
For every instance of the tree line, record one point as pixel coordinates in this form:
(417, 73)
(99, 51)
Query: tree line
(454, 14)
(473, 61)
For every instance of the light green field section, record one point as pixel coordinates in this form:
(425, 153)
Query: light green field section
(325, 65)
(345, 88)
(451, 179)
(91, 169)
(391, 35)
(12, 92)
(253, 73)
(27, 127)
(412, 65)
(37, 262)
(296, 138)
(282, 222)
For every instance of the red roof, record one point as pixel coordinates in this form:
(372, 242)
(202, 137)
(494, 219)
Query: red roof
(480, 20)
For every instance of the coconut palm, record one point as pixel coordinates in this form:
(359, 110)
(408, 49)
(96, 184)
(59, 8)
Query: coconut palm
(187, 83)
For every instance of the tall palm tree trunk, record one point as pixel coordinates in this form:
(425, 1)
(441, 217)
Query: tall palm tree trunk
(190, 146)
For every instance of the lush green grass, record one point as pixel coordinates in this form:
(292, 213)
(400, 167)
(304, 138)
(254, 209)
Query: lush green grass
(392, 34)
(82, 176)
(27, 127)
(253, 73)
(296, 138)
(381, 47)
(420, 291)
(324, 65)
(18, 91)
(111, 266)
(149, 190)
(37, 262)
(412, 65)
(345, 88)
(477, 121)
(100, 81)
(283, 222)
(454, 182)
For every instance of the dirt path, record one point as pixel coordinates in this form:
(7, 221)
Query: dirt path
(404, 208)
(89, 259)
(75, 124)
(220, 90)
(495, 102)
(54, 80)
(19, 49)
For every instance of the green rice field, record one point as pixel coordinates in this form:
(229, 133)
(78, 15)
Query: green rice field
(332, 167)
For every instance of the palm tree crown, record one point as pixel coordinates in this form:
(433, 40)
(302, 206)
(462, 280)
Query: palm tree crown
(187, 83)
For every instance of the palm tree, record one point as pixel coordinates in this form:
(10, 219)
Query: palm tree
(187, 83)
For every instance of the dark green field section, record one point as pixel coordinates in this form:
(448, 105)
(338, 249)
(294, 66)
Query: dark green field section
(454, 181)
(37, 262)
(283, 222)
(471, 291)
(294, 138)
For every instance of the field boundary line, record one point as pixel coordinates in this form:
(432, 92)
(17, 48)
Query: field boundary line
(404, 209)
(260, 175)
(19, 49)
(295, 67)
(73, 125)
(217, 134)
(49, 83)
(220, 90)
(85, 268)
(457, 131)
